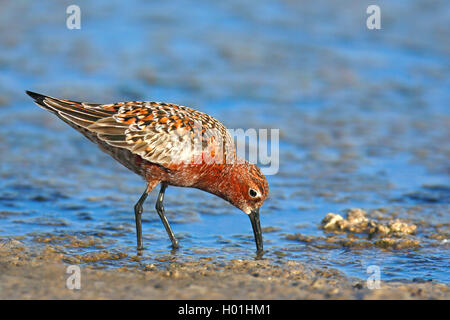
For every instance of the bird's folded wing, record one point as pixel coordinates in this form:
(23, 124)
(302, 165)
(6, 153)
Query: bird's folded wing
(165, 134)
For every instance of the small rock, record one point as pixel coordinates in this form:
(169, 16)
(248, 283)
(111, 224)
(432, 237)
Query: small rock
(330, 222)
(401, 227)
(356, 216)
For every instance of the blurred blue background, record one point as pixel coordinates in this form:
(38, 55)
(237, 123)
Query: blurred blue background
(363, 116)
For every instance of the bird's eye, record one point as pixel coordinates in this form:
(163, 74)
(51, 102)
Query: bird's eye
(253, 193)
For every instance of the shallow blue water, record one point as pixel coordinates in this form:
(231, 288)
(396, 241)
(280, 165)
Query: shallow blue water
(363, 117)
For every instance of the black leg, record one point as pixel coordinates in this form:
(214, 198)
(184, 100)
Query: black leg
(138, 213)
(160, 210)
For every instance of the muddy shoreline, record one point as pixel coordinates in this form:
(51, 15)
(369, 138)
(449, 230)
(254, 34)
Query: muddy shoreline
(27, 273)
(363, 171)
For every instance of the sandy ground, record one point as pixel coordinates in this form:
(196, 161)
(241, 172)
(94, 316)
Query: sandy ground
(363, 119)
(28, 274)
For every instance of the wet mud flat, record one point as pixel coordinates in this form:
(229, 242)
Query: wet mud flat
(27, 273)
(363, 119)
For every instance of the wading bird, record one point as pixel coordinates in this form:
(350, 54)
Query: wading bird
(168, 144)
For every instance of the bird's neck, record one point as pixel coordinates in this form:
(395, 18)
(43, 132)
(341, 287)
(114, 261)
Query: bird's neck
(222, 180)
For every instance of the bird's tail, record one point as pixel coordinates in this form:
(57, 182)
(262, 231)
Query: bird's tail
(75, 113)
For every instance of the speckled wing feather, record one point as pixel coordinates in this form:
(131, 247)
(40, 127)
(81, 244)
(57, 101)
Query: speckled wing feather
(161, 133)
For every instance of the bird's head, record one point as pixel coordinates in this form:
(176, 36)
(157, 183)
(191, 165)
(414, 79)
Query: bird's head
(247, 189)
(251, 186)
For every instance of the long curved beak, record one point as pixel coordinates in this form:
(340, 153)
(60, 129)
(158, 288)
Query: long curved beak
(254, 218)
